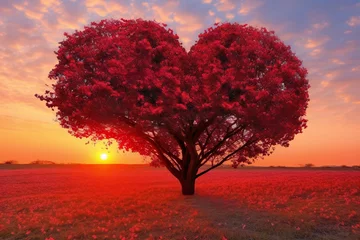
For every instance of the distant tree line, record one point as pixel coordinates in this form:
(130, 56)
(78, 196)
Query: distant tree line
(309, 165)
(10, 162)
(33, 162)
(42, 162)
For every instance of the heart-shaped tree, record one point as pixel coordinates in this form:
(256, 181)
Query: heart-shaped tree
(236, 94)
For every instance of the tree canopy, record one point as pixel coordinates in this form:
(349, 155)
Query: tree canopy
(236, 94)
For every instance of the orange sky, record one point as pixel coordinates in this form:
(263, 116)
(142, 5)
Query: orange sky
(327, 43)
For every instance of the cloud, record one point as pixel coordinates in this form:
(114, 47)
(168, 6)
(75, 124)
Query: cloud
(324, 83)
(320, 26)
(187, 19)
(225, 5)
(337, 61)
(355, 69)
(185, 40)
(346, 48)
(314, 43)
(249, 5)
(315, 52)
(207, 1)
(164, 13)
(50, 3)
(187, 26)
(104, 8)
(28, 12)
(332, 74)
(354, 21)
(340, 93)
(146, 4)
(229, 16)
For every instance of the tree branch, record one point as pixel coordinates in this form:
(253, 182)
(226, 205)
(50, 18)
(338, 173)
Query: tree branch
(212, 155)
(209, 134)
(178, 138)
(168, 164)
(219, 144)
(176, 159)
(201, 127)
(227, 157)
(174, 162)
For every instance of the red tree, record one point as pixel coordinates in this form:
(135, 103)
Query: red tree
(237, 93)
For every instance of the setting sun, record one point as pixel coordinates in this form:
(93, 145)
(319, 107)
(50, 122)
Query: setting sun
(103, 156)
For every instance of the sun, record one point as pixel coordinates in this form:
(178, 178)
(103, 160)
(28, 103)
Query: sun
(103, 156)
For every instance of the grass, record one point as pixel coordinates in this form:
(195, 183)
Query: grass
(139, 202)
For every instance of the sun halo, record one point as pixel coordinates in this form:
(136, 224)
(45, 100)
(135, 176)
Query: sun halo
(103, 156)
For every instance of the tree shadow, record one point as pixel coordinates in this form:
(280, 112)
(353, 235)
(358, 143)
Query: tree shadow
(234, 221)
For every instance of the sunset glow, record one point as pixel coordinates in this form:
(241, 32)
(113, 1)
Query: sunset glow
(103, 156)
(326, 39)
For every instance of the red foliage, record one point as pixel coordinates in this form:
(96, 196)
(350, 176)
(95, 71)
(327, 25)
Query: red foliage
(237, 93)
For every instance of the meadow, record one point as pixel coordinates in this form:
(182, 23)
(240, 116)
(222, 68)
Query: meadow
(140, 202)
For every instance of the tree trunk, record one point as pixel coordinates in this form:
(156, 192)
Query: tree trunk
(188, 186)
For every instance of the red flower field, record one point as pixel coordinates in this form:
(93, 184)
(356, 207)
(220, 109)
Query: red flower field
(139, 202)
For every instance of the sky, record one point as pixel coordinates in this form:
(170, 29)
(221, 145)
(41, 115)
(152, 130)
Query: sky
(324, 34)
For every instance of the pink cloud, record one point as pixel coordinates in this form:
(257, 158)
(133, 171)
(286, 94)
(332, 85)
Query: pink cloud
(354, 21)
(344, 90)
(146, 4)
(187, 27)
(320, 26)
(324, 83)
(247, 6)
(30, 13)
(224, 5)
(185, 23)
(104, 8)
(315, 42)
(332, 74)
(229, 16)
(337, 61)
(185, 40)
(164, 13)
(50, 3)
(340, 93)
(348, 47)
(355, 69)
(315, 52)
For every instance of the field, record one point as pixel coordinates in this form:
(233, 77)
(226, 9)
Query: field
(139, 202)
